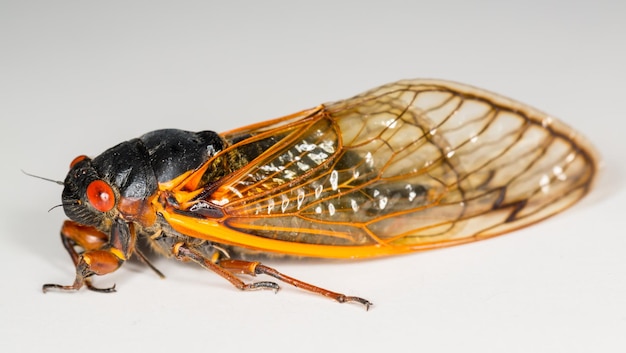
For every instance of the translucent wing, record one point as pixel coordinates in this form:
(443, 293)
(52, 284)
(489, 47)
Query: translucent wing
(408, 166)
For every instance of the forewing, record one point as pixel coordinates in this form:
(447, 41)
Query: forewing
(407, 166)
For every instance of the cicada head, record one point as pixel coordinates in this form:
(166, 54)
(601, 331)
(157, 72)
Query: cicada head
(86, 197)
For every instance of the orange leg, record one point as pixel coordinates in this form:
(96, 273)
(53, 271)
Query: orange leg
(184, 253)
(97, 257)
(227, 269)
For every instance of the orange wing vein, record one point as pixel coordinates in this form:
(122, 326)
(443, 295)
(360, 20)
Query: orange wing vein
(408, 166)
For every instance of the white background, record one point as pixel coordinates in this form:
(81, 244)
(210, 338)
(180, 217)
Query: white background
(77, 77)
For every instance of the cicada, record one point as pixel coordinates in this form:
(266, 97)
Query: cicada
(408, 166)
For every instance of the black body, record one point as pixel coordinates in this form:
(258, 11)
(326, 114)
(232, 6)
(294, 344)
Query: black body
(135, 167)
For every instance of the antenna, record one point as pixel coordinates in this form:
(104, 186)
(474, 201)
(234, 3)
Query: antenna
(42, 178)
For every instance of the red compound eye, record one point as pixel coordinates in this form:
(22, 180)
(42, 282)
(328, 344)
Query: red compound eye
(100, 195)
(77, 160)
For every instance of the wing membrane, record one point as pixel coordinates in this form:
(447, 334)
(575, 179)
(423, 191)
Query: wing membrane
(407, 166)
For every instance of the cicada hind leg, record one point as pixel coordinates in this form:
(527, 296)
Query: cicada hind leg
(229, 268)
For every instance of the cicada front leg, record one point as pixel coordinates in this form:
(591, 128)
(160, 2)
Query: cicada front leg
(227, 268)
(97, 258)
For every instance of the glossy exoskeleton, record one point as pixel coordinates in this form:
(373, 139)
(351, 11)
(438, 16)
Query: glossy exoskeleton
(409, 166)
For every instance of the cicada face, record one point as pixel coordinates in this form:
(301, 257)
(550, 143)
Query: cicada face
(409, 166)
(86, 197)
